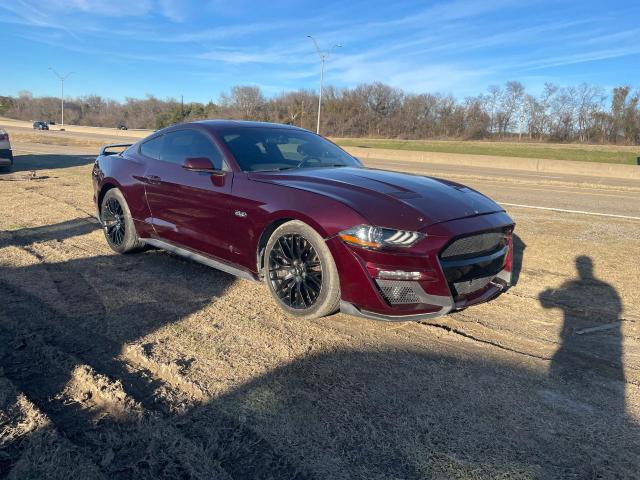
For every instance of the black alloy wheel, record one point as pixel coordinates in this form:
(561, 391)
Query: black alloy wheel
(113, 221)
(295, 271)
(117, 223)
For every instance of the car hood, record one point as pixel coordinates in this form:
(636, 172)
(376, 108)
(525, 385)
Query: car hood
(388, 199)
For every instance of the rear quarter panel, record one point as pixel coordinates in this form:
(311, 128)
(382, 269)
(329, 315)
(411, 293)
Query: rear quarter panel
(124, 172)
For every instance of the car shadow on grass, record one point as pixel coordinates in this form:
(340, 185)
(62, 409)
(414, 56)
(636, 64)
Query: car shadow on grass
(26, 163)
(333, 413)
(58, 232)
(518, 257)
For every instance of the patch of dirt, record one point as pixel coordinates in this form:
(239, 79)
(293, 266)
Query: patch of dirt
(21, 177)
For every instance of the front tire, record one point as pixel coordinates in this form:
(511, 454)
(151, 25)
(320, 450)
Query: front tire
(300, 271)
(117, 223)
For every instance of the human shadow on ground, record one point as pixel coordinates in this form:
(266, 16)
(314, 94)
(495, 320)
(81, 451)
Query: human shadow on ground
(590, 337)
(392, 412)
(25, 163)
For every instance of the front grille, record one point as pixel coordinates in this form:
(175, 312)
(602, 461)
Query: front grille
(474, 245)
(470, 263)
(464, 288)
(399, 292)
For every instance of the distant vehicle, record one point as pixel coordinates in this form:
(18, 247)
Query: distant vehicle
(280, 204)
(122, 126)
(6, 154)
(51, 123)
(40, 125)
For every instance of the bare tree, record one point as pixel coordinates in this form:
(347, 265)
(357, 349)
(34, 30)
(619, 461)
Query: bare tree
(246, 100)
(568, 114)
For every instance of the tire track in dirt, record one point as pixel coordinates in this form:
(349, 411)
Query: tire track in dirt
(122, 447)
(23, 427)
(32, 327)
(42, 379)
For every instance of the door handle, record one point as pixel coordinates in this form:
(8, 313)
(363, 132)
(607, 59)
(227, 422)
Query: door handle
(152, 178)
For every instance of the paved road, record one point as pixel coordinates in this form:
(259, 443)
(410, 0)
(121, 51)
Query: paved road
(597, 195)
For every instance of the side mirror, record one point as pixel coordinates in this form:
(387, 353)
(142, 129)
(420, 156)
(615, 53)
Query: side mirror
(199, 164)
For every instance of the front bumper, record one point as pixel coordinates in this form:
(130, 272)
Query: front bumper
(445, 285)
(496, 286)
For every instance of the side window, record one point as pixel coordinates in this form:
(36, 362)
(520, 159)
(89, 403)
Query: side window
(182, 144)
(151, 148)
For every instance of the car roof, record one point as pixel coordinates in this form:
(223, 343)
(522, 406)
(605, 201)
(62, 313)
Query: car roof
(216, 124)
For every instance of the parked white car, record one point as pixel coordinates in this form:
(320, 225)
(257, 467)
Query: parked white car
(6, 155)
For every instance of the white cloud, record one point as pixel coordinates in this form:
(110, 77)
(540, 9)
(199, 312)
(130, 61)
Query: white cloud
(276, 55)
(34, 11)
(175, 11)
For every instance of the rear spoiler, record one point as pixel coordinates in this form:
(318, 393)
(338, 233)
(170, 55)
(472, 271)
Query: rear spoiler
(105, 150)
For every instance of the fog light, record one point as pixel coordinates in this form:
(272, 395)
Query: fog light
(398, 275)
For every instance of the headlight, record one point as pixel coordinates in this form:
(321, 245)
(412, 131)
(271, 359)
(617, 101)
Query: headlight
(378, 237)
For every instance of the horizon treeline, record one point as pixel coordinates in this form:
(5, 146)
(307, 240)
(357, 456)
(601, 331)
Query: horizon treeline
(583, 113)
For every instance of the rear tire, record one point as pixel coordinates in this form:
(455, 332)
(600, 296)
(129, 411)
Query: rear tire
(300, 272)
(117, 223)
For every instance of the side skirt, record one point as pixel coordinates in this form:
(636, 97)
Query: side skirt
(197, 257)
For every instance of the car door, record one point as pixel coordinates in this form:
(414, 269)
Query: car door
(189, 208)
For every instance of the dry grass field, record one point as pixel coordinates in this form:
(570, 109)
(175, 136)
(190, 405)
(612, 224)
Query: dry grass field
(149, 366)
(554, 151)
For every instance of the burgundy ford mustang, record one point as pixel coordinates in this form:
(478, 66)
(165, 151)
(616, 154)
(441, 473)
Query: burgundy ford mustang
(281, 204)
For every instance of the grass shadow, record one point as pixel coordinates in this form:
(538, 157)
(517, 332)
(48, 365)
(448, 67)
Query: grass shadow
(25, 163)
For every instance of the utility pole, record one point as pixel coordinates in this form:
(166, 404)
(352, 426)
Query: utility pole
(323, 57)
(62, 78)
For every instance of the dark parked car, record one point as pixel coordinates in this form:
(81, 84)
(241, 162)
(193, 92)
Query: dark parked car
(122, 126)
(40, 125)
(280, 204)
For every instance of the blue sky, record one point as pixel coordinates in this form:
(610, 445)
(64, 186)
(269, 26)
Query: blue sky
(199, 48)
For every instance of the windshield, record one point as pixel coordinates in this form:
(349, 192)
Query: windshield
(272, 149)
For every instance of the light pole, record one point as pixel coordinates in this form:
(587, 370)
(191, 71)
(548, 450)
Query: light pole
(323, 57)
(62, 79)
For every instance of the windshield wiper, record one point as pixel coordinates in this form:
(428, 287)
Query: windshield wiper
(279, 169)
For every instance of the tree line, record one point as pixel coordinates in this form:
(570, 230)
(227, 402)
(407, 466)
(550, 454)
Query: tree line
(583, 113)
